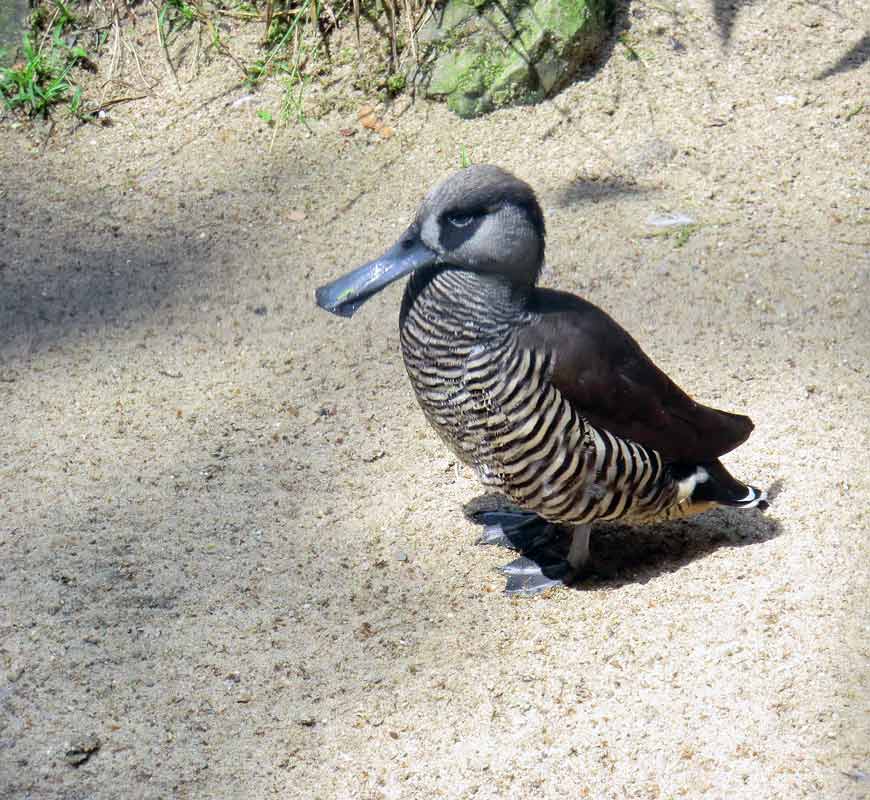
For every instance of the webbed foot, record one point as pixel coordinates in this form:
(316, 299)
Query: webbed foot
(528, 577)
(551, 555)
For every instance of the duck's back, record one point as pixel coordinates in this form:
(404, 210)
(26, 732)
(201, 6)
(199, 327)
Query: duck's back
(605, 374)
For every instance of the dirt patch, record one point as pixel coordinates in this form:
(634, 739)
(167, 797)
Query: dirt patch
(233, 555)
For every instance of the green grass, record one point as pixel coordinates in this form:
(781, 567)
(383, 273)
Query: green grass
(855, 111)
(684, 233)
(41, 79)
(680, 234)
(630, 53)
(292, 105)
(295, 48)
(633, 50)
(396, 84)
(176, 16)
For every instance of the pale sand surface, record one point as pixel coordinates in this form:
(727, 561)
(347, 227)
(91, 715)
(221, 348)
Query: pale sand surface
(231, 547)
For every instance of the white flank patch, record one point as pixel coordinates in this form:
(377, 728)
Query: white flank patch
(686, 486)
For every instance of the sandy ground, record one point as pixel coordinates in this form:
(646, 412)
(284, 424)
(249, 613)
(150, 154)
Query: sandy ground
(232, 550)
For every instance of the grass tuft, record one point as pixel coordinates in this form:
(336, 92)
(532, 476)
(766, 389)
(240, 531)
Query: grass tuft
(295, 48)
(42, 78)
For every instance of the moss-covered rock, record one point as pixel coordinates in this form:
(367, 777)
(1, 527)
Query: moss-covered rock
(13, 24)
(484, 54)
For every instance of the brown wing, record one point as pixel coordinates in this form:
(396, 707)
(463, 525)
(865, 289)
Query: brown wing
(613, 383)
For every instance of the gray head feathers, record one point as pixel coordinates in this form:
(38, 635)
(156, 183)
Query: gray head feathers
(483, 218)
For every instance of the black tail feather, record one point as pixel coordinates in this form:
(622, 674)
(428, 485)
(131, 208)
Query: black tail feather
(719, 486)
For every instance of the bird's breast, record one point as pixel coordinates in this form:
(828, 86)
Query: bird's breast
(459, 359)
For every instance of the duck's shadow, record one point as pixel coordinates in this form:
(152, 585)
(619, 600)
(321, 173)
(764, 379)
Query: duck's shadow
(625, 554)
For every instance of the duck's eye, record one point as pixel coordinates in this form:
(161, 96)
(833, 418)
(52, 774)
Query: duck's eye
(460, 220)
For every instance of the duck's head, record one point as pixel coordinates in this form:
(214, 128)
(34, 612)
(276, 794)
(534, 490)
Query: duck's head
(480, 219)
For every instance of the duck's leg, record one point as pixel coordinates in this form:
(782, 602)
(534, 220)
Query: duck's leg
(578, 554)
(545, 562)
(544, 568)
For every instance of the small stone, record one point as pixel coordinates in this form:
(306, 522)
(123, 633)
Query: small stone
(669, 220)
(243, 101)
(81, 750)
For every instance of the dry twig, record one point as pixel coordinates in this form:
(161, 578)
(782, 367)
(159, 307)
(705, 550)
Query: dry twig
(269, 10)
(46, 34)
(412, 34)
(170, 68)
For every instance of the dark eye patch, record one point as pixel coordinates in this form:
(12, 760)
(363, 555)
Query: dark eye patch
(459, 220)
(458, 227)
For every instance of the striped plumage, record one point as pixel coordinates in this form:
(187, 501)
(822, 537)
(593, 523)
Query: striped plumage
(491, 402)
(542, 393)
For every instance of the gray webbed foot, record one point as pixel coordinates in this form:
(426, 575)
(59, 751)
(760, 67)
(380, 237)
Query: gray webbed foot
(542, 565)
(528, 577)
(551, 555)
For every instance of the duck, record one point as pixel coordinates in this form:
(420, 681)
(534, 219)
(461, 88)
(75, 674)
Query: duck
(543, 394)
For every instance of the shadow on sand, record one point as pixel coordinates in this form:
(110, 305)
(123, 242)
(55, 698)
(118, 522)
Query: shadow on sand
(626, 554)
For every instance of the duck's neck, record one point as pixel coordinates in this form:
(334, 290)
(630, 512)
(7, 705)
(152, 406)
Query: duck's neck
(468, 296)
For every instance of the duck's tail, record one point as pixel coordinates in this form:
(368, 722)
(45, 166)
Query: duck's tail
(705, 486)
(714, 484)
(711, 484)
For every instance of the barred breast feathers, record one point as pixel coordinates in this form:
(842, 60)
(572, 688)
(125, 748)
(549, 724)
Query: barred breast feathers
(492, 402)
